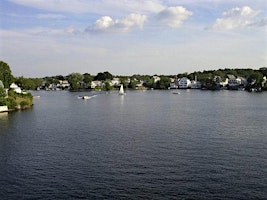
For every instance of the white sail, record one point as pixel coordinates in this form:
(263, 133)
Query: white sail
(121, 92)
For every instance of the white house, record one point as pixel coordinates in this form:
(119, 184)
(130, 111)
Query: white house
(96, 84)
(184, 83)
(16, 88)
(115, 82)
(64, 84)
(233, 82)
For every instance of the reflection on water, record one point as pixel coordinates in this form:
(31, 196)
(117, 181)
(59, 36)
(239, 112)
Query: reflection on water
(3, 120)
(122, 99)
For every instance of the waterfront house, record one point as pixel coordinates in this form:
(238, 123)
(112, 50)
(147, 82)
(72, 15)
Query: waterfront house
(95, 84)
(233, 82)
(64, 84)
(184, 83)
(115, 82)
(16, 88)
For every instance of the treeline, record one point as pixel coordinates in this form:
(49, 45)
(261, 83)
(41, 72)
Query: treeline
(83, 81)
(8, 97)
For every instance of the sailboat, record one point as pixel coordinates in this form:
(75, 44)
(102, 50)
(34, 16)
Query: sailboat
(121, 92)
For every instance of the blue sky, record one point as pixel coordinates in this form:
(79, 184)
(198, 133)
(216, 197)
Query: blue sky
(57, 37)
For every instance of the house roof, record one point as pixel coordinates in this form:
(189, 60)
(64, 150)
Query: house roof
(230, 76)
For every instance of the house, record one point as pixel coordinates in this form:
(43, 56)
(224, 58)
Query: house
(115, 82)
(233, 82)
(16, 88)
(184, 83)
(95, 84)
(64, 84)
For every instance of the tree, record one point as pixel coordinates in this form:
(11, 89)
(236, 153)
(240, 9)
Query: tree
(5, 74)
(133, 84)
(28, 83)
(103, 76)
(2, 92)
(2, 96)
(87, 78)
(255, 78)
(108, 86)
(74, 80)
(163, 83)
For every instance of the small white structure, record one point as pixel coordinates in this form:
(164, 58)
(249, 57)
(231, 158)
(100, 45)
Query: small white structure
(64, 84)
(155, 79)
(115, 82)
(3, 109)
(16, 88)
(233, 82)
(97, 83)
(184, 83)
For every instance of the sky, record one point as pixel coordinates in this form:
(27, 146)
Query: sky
(41, 38)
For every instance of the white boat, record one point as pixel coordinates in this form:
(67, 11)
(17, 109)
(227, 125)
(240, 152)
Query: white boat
(121, 92)
(86, 97)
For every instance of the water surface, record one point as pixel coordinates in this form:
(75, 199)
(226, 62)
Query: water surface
(145, 145)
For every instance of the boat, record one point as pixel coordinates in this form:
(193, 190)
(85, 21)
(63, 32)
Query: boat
(121, 92)
(86, 97)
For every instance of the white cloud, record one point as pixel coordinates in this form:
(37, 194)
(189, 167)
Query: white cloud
(238, 18)
(174, 16)
(107, 24)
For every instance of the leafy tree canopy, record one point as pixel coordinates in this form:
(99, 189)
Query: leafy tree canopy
(5, 74)
(102, 76)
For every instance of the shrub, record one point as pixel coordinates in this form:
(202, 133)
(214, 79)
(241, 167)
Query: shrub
(24, 104)
(11, 103)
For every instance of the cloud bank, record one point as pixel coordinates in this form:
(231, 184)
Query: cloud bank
(239, 18)
(107, 24)
(174, 16)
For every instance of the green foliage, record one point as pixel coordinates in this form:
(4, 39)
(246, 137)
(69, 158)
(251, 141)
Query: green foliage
(2, 92)
(24, 104)
(75, 80)
(11, 103)
(103, 76)
(28, 83)
(163, 83)
(133, 84)
(5, 74)
(14, 100)
(3, 101)
(108, 86)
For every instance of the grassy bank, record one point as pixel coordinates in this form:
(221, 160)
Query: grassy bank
(16, 101)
